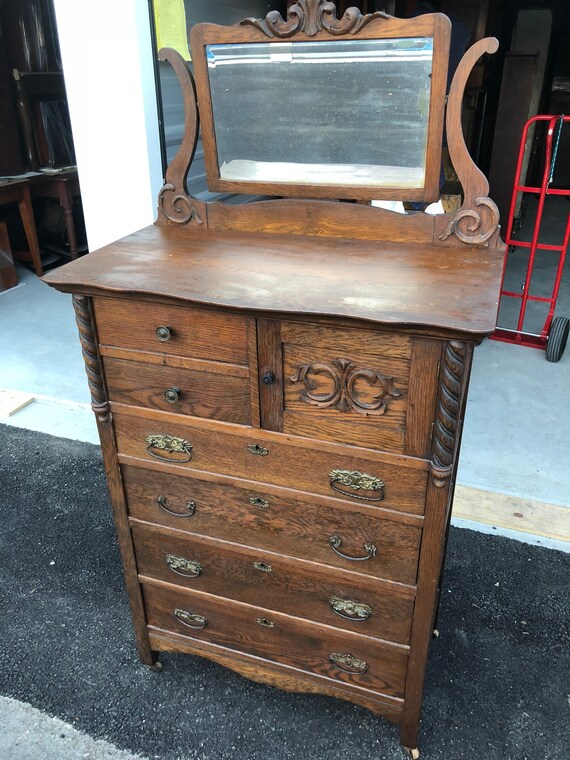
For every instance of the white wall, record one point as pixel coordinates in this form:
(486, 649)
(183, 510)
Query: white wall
(107, 62)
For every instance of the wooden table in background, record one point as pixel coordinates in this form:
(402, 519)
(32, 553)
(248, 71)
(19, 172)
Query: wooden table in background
(18, 191)
(64, 187)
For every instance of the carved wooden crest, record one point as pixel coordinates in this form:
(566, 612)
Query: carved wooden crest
(311, 17)
(344, 395)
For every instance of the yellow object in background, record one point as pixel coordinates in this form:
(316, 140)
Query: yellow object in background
(170, 26)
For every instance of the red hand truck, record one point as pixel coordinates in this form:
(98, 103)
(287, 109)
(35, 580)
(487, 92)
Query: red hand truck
(554, 334)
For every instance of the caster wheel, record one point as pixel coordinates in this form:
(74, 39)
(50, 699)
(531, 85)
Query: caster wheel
(156, 667)
(557, 338)
(412, 753)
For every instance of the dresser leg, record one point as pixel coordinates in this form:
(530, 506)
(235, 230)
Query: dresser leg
(413, 753)
(157, 666)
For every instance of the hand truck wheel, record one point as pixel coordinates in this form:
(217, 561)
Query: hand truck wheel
(557, 338)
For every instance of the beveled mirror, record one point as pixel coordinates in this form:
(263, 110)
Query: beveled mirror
(323, 111)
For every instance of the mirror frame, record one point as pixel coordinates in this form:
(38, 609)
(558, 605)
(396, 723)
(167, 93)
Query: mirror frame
(309, 27)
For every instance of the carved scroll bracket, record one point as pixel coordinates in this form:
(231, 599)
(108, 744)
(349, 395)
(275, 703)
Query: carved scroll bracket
(468, 225)
(343, 395)
(311, 17)
(84, 319)
(447, 413)
(173, 202)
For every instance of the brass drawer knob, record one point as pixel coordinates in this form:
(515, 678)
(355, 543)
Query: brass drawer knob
(348, 663)
(255, 448)
(171, 445)
(191, 619)
(268, 378)
(181, 566)
(336, 542)
(163, 333)
(356, 481)
(190, 507)
(172, 395)
(349, 610)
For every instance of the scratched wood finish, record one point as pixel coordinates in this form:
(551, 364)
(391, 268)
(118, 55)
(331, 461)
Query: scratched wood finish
(295, 588)
(222, 448)
(201, 394)
(275, 519)
(198, 333)
(290, 641)
(423, 287)
(281, 676)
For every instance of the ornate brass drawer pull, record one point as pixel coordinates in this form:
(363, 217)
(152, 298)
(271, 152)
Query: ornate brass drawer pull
(348, 610)
(172, 395)
(257, 501)
(265, 623)
(255, 448)
(163, 333)
(171, 445)
(336, 542)
(348, 663)
(186, 567)
(189, 505)
(191, 619)
(356, 481)
(263, 566)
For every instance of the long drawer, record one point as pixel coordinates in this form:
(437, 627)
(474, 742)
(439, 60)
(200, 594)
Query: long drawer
(278, 520)
(305, 590)
(350, 658)
(359, 475)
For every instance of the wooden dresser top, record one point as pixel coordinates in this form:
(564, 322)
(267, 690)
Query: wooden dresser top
(394, 284)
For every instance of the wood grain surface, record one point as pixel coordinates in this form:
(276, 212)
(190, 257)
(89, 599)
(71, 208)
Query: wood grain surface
(400, 284)
(198, 333)
(290, 462)
(290, 641)
(201, 393)
(274, 519)
(301, 589)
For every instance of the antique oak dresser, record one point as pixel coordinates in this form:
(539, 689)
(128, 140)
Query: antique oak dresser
(279, 385)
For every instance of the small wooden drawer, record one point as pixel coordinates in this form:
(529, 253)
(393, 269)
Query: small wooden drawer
(340, 655)
(358, 475)
(278, 520)
(215, 390)
(310, 591)
(178, 330)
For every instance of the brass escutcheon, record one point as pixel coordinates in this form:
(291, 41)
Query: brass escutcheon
(257, 501)
(356, 481)
(186, 567)
(348, 663)
(265, 622)
(191, 619)
(255, 448)
(349, 610)
(263, 566)
(172, 445)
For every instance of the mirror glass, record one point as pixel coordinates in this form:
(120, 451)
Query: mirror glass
(345, 112)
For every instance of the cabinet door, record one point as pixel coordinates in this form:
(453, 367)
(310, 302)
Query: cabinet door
(349, 385)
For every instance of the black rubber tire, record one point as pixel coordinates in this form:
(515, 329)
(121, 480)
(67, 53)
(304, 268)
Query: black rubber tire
(557, 338)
